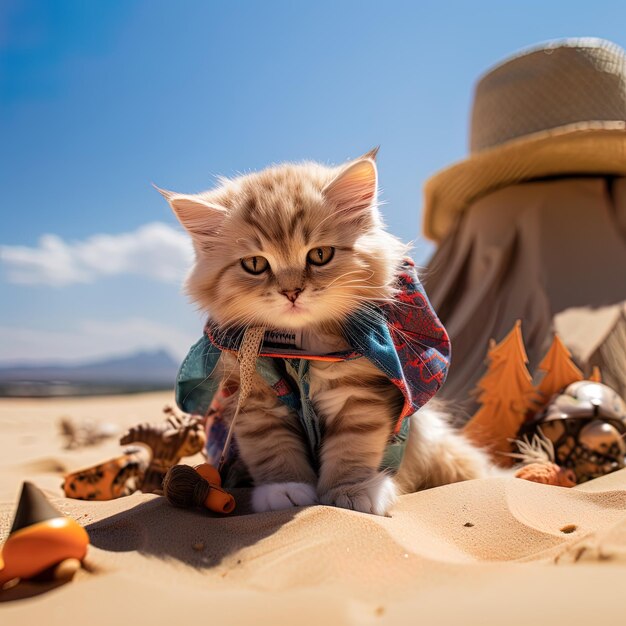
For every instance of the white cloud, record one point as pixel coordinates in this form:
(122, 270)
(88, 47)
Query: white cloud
(155, 251)
(92, 339)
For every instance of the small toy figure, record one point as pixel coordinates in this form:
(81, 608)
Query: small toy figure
(157, 447)
(42, 542)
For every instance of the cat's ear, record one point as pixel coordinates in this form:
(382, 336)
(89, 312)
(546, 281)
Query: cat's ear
(197, 215)
(354, 192)
(372, 154)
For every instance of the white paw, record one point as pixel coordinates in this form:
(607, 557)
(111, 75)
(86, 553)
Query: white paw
(376, 495)
(277, 496)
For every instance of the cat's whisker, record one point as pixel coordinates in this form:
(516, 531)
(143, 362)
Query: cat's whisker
(347, 274)
(360, 283)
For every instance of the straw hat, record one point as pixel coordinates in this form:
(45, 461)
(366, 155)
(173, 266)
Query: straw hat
(556, 109)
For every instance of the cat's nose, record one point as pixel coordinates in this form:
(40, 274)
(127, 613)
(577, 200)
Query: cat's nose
(291, 294)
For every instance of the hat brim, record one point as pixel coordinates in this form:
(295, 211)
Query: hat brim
(581, 148)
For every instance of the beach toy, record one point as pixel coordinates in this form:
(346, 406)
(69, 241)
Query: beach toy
(42, 542)
(142, 466)
(111, 479)
(200, 486)
(181, 435)
(564, 429)
(586, 425)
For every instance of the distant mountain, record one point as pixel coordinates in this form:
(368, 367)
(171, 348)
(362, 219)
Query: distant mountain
(135, 372)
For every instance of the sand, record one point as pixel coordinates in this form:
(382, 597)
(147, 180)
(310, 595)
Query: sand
(483, 552)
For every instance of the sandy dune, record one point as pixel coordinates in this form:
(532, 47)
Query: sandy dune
(485, 552)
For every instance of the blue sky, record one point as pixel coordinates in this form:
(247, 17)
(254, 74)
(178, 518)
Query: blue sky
(99, 99)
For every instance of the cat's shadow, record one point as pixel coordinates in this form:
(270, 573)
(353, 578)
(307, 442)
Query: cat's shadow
(196, 537)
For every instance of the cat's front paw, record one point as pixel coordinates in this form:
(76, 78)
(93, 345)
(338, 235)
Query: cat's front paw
(376, 495)
(277, 496)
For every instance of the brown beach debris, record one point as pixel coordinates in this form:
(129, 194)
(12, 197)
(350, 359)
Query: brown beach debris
(78, 434)
(181, 435)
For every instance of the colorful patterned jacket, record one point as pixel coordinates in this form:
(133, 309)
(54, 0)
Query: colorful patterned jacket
(409, 344)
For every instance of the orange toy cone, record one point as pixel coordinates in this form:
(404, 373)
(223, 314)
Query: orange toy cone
(41, 539)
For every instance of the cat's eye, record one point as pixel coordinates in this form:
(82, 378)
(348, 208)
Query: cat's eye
(321, 255)
(255, 264)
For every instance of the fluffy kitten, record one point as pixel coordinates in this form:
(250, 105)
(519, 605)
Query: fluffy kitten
(301, 247)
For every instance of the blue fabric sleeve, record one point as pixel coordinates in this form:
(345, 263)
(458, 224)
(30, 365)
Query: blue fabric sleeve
(195, 385)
